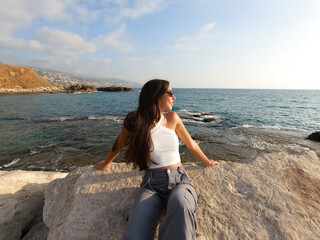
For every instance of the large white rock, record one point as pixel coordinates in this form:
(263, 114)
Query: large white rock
(274, 196)
(22, 200)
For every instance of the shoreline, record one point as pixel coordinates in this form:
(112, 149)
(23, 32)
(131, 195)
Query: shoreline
(9, 91)
(231, 145)
(53, 90)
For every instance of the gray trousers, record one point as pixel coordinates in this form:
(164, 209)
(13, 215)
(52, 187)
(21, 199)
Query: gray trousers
(164, 190)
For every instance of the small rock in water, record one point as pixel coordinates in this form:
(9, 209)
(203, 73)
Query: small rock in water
(202, 117)
(314, 136)
(208, 119)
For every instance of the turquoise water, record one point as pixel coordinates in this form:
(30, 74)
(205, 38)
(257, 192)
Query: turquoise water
(61, 131)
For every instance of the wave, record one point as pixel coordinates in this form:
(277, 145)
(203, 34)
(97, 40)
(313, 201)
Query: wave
(41, 148)
(114, 117)
(11, 163)
(273, 127)
(202, 117)
(58, 119)
(267, 138)
(248, 125)
(11, 119)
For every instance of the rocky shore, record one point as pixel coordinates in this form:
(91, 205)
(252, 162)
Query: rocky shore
(272, 196)
(63, 89)
(31, 90)
(52, 89)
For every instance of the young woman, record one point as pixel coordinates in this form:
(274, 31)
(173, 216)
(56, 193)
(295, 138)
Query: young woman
(153, 146)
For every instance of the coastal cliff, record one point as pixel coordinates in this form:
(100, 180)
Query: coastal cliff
(272, 196)
(17, 79)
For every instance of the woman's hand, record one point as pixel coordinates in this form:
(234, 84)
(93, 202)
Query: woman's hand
(210, 163)
(102, 165)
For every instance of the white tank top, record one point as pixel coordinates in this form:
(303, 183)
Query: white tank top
(165, 150)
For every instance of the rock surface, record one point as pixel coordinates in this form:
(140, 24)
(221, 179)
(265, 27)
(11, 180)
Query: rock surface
(198, 117)
(314, 136)
(273, 196)
(22, 200)
(79, 88)
(114, 89)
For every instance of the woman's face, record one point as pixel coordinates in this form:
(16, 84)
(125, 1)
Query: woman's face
(166, 100)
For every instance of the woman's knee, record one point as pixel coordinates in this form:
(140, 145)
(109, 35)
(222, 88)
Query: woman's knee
(182, 198)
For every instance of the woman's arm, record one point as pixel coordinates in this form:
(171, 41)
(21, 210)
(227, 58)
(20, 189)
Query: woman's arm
(185, 137)
(115, 150)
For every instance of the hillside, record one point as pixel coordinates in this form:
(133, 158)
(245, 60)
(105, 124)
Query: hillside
(17, 77)
(66, 79)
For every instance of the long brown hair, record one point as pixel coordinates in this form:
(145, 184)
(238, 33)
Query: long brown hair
(140, 122)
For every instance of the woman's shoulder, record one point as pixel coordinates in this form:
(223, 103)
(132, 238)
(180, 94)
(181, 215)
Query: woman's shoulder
(172, 116)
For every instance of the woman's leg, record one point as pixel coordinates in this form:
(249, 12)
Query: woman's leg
(144, 216)
(180, 221)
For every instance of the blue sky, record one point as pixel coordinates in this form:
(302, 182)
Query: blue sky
(192, 43)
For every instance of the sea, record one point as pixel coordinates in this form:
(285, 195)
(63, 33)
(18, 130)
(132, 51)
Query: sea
(61, 131)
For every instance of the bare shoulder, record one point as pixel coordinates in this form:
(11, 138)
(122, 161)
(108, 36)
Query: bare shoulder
(171, 116)
(172, 120)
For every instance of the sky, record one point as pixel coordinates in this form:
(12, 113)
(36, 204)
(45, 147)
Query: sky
(270, 44)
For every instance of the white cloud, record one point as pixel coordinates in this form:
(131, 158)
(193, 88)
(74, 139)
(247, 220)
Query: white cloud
(118, 10)
(192, 43)
(133, 59)
(103, 60)
(62, 43)
(34, 45)
(157, 63)
(141, 7)
(114, 40)
(19, 13)
(184, 45)
(86, 15)
(106, 60)
(207, 27)
(6, 41)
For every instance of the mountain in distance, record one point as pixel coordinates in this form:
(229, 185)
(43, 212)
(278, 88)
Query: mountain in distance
(67, 79)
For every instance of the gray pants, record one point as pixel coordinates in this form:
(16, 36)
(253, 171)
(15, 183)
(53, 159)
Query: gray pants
(168, 190)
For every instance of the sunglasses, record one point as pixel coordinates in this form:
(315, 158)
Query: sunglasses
(170, 93)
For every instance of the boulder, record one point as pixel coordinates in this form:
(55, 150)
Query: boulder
(273, 196)
(198, 117)
(114, 89)
(79, 88)
(22, 200)
(37, 232)
(314, 136)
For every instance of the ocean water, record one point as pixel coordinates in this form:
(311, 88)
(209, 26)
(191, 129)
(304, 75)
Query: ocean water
(61, 131)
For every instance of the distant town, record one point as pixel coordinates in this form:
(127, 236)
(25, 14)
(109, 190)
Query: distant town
(66, 79)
